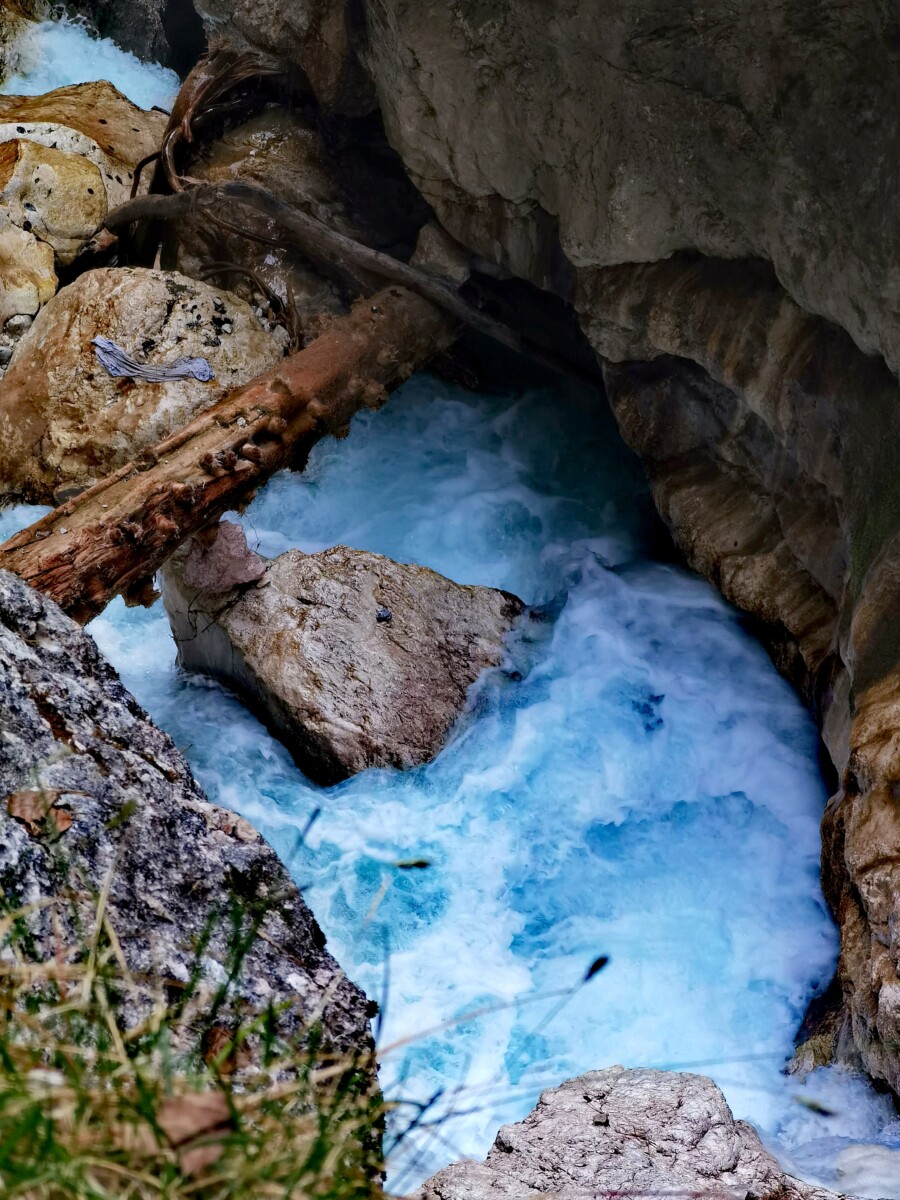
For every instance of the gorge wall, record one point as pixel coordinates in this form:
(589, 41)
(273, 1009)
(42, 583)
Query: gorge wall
(714, 190)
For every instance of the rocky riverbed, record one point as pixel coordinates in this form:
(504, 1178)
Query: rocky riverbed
(664, 206)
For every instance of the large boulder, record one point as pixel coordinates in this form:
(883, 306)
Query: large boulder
(94, 796)
(66, 158)
(354, 660)
(65, 421)
(628, 1133)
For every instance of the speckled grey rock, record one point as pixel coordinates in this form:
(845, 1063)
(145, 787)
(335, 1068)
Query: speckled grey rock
(352, 659)
(70, 730)
(629, 1133)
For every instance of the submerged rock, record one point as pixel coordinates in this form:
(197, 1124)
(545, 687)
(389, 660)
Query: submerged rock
(628, 1133)
(93, 793)
(354, 660)
(65, 421)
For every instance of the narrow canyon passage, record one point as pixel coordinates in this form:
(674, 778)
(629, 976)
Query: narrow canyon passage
(636, 781)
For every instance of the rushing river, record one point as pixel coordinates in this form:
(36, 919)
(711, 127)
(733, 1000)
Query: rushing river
(636, 781)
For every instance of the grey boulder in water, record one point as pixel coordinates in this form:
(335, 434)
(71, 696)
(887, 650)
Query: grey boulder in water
(353, 660)
(634, 1133)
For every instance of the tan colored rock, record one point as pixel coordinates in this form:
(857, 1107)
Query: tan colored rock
(65, 422)
(624, 1133)
(92, 120)
(59, 197)
(279, 150)
(27, 271)
(352, 659)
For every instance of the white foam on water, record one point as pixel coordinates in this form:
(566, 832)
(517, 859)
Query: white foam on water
(636, 782)
(53, 54)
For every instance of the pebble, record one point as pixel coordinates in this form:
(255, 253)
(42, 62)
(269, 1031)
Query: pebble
(384, 615)
(19, 324)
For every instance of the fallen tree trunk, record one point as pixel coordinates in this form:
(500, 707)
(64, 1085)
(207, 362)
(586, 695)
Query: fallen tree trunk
(114, 536)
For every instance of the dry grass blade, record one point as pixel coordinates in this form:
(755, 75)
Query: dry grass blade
(91, 1108)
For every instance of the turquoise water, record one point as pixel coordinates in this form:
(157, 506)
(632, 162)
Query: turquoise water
(635, 782)
(54, 54)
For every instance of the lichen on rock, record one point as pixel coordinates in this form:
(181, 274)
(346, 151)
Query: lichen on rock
(137, 825)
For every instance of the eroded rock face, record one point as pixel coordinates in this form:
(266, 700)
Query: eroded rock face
(624, 1132)
(73, 736)
(640, 129)
(65, 421)
(756, 423)
(353, 660)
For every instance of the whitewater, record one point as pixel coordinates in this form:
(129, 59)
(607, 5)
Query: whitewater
(635, 781)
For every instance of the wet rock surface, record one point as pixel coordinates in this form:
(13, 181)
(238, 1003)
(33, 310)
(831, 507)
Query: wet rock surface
(73, 737)
(620, 1132)
(65, 421)
(281, 151)
(354, 660)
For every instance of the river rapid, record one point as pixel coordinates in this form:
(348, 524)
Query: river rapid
(636, 781)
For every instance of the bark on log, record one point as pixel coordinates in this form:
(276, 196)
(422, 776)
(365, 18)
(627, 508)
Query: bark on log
(114, 536)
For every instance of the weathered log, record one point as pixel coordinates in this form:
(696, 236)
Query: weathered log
(117, 533)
